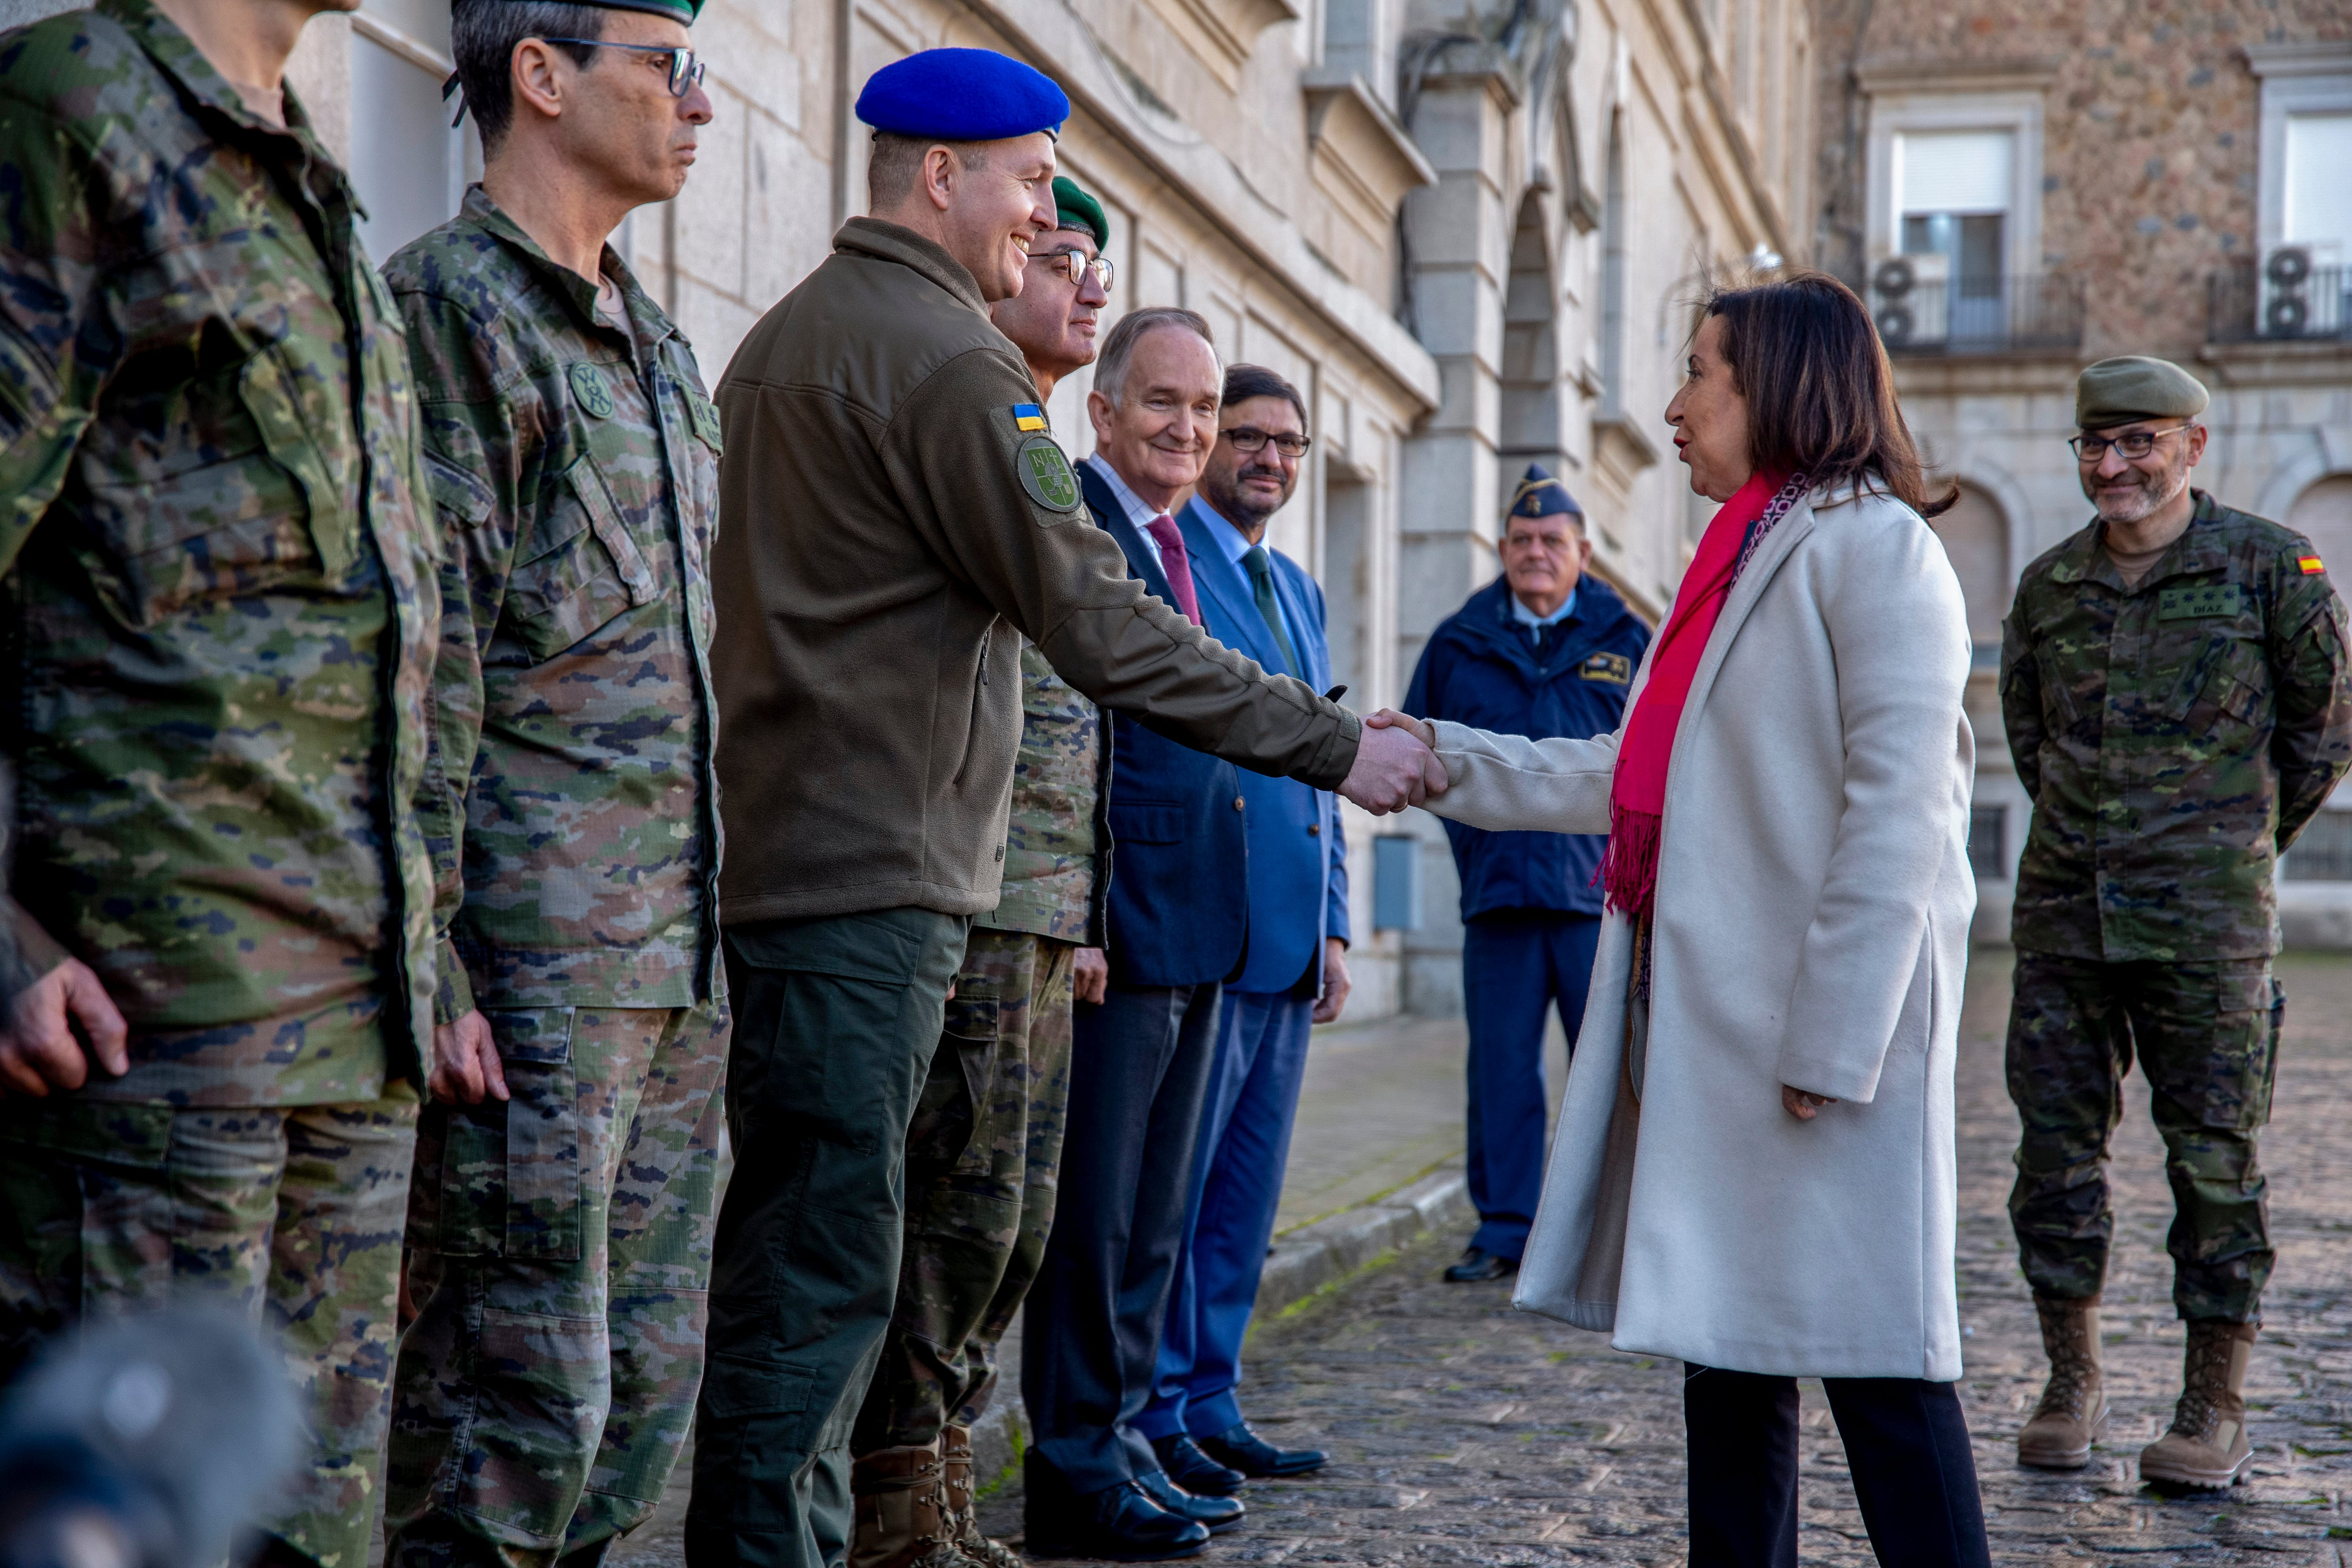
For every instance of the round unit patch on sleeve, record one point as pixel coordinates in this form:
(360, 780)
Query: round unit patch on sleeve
(595, 398)
(1045, 474)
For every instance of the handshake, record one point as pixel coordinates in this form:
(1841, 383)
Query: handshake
(1395, 764)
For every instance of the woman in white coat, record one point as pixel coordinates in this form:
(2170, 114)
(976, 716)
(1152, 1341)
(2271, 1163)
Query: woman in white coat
(1753, 1171)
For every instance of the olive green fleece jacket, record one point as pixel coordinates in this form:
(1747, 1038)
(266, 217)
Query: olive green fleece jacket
(879, 560)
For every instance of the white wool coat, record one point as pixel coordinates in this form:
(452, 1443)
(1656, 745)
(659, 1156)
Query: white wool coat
(1814, 901)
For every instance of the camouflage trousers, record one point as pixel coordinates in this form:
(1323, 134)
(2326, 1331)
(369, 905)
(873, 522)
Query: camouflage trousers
(558, 1267)
(983, 1154)
(291, 1212)
(2206, 1035)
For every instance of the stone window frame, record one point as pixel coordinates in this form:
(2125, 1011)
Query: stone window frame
(1913, 98)
(2296, 79)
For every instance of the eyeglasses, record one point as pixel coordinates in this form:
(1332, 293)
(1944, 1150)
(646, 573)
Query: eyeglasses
(2132, 443)
(1246, 439)
(1074, 265)
(685, 70)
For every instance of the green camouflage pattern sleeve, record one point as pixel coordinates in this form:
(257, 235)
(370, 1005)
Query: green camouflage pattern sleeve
(2313, 743)
(574, 468)
(220, 585)
(2020, 705)
(1049, 848)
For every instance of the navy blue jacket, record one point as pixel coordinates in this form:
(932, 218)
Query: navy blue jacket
(1299, 852)
(1479, 669)
(1178, 907)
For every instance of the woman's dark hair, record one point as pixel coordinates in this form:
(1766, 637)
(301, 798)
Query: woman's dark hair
(1821, 395)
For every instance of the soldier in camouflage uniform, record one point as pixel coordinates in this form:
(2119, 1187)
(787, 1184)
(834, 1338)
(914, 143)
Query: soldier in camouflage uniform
(560, 1230)
(2178, 698)
(985, 1148)
(222, 610)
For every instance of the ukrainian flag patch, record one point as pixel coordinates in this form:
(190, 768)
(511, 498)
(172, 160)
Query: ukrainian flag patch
(1028, 417)
(2310, 564)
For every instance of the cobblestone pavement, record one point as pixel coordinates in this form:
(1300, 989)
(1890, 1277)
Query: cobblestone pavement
(1464, 1432)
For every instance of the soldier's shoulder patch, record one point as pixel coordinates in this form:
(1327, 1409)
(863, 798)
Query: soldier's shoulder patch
(1614, 667)
(1028, 417)
(589, 391)
(1045, 474)
(2309, 565)
(2199, 602)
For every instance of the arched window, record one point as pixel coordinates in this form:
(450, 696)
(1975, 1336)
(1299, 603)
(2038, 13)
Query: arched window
(1976, 537)
(1530, 378)
(2323, 514)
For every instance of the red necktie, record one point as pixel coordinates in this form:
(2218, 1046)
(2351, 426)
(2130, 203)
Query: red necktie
(1176, 563)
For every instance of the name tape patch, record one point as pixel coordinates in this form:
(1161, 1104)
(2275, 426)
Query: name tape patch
(2202, 602)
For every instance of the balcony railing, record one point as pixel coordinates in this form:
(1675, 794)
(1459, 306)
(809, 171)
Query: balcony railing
(1921, 310)
(2284, 298)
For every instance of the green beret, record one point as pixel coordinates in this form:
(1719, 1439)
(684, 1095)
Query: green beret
(1080, 211)
(2133, 388)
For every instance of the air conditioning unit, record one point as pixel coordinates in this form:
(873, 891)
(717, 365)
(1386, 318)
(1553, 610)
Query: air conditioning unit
(2298, 285)
(1910, 298)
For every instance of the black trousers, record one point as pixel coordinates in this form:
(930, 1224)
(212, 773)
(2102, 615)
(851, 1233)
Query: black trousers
(1139, 1069)
(1907, 1444)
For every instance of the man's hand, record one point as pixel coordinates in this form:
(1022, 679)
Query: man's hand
(1090, 975)
(466, 1062)
(1802, 1105)
(39, 1051)
(1421, 730)
(1336, 983)
(1394, 768)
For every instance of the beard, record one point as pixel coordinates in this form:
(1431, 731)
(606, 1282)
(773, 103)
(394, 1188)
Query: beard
(2149, 493)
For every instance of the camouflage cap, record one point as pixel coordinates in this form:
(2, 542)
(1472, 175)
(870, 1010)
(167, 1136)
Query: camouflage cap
(2133, 386)
(1079, 211)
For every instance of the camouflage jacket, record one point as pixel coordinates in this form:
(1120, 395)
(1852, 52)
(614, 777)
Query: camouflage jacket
(2174, 737)
(221, 591)
(1057, 853)
(574, 470)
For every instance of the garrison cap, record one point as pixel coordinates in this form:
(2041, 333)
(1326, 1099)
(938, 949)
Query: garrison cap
(2132, 387)
(1076, 209)
(1541, 495)
(961, 95)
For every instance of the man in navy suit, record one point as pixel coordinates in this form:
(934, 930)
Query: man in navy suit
(1264, 604)
(1178, 919)
(1544, 650)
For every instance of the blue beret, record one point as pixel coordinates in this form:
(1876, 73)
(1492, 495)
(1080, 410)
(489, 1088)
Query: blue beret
(961, 95)
(1541, 495)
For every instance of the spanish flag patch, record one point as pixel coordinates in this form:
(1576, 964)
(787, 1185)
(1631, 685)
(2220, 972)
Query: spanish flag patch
(1028, 417)
(2310, 564)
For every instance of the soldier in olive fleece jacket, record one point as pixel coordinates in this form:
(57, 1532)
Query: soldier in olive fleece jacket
(894, 520)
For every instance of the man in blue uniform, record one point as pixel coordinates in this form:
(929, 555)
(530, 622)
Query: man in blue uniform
(1545, 650)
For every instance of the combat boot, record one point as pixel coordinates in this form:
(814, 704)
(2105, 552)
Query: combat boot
(902, 1515)
(2074, 1408)
(963, 1508)
(2207, 1445)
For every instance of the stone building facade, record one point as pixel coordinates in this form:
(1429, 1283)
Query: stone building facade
(1470, 230)
(2019, 189)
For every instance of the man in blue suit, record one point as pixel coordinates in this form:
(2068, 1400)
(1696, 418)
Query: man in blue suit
(1178, 918)
(1544, 650)
(1264, 604)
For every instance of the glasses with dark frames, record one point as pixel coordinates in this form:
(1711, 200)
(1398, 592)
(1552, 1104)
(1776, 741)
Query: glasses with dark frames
(684, 71)
(2134, 444)
(1248, 440)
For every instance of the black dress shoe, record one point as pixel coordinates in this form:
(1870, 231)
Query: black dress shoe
(1193, 1470)
(1219, 1514)
(1477, 1266)
(1121, 1523)
(1243, 1450)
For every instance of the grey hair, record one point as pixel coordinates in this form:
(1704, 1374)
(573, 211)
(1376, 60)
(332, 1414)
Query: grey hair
(1119, 344)
(482, 38)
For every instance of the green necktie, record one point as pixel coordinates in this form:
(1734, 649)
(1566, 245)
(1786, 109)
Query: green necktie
(1261, 572)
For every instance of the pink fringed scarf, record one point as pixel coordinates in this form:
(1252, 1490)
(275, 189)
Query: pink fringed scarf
(1637, 795)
